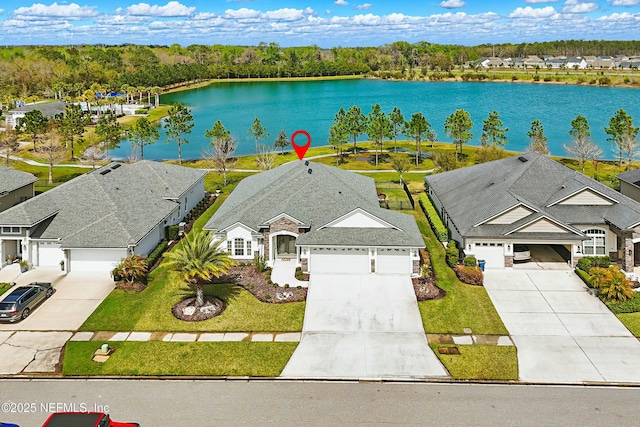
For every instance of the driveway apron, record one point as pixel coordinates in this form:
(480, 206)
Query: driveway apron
(562, 333)
(362, 326)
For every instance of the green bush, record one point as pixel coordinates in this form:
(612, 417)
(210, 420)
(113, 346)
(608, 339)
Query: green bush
(156, 253)
(141, 111)
(172, 232)
(588, 262)
(299, 274)
(260, 262)
(470, 261)
(436, 223)
(584, 276)
(452, 254)
(632, 305)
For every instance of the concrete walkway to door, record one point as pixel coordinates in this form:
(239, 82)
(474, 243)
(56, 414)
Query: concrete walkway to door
(284, 273)
(362, 326)
(562, 333)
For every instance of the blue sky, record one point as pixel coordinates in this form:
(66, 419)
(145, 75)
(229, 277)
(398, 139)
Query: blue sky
(326, 23)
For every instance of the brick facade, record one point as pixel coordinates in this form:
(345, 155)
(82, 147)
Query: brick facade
(416, 266)
(508, 261)
(282, 224)
(304, 265)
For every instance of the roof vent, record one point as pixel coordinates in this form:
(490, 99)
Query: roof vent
(309, 171)
(523, 159)
(306, 162)
(105, 172)
(116, 166)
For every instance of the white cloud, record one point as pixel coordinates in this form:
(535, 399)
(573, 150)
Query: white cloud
(576, 6)
(341, 2)
(533, 13)
(539, 1)
(452, 4)
(70, 11)
(624, 2)
(287, 14)
(366, 6)
(328, 11)
(171, 9)
(242, 13)
(1, 10)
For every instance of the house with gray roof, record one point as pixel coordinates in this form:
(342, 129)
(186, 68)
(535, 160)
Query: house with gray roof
(326, 219)
(15, 187)
(48, 109)
(533, 200)
(93, 221)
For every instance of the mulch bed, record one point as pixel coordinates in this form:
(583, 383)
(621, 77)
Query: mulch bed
(215, 304)
(247, 277)
(426, 289)
(131, 287)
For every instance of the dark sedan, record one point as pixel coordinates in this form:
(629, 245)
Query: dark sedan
(22, 300)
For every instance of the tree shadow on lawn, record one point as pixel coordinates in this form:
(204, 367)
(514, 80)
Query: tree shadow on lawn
(225, 291)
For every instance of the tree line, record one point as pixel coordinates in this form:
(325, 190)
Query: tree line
(68, 71)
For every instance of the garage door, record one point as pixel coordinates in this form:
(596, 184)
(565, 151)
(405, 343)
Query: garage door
(393, 261)
(339, 261)
(493, 256)
(96, 260)
(49, 254)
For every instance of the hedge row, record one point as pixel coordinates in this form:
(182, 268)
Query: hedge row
(434, 219)
(586, 263)
(156, 253)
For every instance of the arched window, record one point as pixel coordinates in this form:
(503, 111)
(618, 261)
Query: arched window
(596, 245)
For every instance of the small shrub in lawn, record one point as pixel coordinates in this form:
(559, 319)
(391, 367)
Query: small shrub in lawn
(275, 285)
(299, 287)
(470, 261)
(261, 263)
(469, 275)
(299, 274)
(250, 286)
(453, 254)
(286, 286)
(267, 296)
(613, 283)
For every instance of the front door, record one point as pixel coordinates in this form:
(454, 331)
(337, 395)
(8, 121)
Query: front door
(286, 246)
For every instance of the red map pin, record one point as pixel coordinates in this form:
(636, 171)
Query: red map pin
(301, 149)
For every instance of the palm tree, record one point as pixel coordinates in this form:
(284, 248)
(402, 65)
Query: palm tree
(198, 260)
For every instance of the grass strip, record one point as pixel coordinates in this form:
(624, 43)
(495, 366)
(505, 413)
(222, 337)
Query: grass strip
(256, 359)
(480, 362)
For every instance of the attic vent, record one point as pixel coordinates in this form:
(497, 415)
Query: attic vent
(116, 166)
(306, 162)
(105, 172)
(523, 159)
(309, 171)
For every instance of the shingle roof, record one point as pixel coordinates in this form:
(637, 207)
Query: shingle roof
(11, 179)
(473, 194)
(314, 199)
(111, 207)
(48, 109)
(632, 177)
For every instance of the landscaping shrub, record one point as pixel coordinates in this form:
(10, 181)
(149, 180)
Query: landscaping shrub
(452, 254)
(632, 305)
(436, 223)
(469, 275)
(153, 257)
(172, 232)
(470, 261)
(425, 261)
(260, 262)
(588, 262)
(299, 274)
(613, 283)
(584, 276)
(132, 269)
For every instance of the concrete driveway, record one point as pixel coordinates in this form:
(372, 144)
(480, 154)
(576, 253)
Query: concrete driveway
(362, 327)
(34, 345)
(562, 333)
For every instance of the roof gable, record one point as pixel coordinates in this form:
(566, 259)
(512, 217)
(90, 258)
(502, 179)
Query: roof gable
(585, 197)
(358, 218)
(542, 224)
(510, 216)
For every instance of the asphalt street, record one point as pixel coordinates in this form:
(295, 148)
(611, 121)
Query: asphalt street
(289, 403)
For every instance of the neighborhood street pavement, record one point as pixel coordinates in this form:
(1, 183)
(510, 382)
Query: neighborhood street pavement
(34, 344)
(362, 326)
(562, 333)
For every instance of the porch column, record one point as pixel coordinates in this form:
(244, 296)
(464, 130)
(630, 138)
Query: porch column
(627, 256)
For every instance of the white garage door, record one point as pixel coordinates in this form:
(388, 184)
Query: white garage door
(49, 254)
(493, 256)
(339, 261)
(393, 261)
(96, 260)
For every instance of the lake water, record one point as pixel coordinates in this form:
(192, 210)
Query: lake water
(311, 106)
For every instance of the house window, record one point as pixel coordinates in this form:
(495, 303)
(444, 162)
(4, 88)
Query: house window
(10, 230)
(248, 247)
(596, 245)
(239, 247)
(229, 246)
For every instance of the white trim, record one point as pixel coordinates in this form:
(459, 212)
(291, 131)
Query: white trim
(280, 216)
(559, 224)
(583, 189)
(534, 210)
(234, 225)
(362, 211)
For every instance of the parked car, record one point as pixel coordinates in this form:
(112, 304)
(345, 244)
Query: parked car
(8, 425)
(521, 253)
(18, 304)
(83, 419)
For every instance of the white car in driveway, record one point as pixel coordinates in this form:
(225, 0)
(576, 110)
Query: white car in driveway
(521, 253)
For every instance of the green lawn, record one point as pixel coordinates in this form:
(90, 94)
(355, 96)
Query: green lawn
(480, 362)
(150, 310)
(464, 306)
(4, 287)
(631, 321)
(256, 359)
